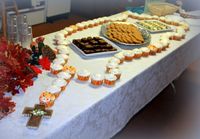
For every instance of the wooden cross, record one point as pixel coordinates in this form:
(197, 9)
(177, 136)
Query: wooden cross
(36, 114)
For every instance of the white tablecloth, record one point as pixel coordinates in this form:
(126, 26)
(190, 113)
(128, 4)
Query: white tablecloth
(97, 113)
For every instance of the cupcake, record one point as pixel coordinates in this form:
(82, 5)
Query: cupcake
(74, 28)
(59, 61)
(54, 90)
(96, 79)
(90, 23)
(56, 68)
(159, 46)
(63, 56)
(181, 31)
(116, 72)
(70, 69)
(80, 26)
(137, 53)
(65, 33)
(110, 79)
(153, 49)
(60, 82)
(162, 19)
(83, 75)
(114, 60)
(63, 50)
(128, 55)
(85, 24)
(110, 66)
(164, 42)
(69, 30)
(47, 99)
(64, 75)
(59, 38)
(120, 56)
(96, 22)
(145, 51)
(177, 36)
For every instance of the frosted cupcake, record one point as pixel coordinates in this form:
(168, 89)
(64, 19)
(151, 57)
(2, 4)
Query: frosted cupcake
(145, 51)
(114, 60)
(69, 30)
(181, 31)
(56, 68)
(164, 42)
(80, 26)
(116, 72)
(70, 69)
(64, 32)
(59, 38)
(162, 19)
(63, 56)
(64, 50)
(153, 49)
(110, 66)
(128, 55)
(83, 75)
(60, 82)
(159, 46)
(120, 56)
(59, 61)
(137, 53)
(64, 75)
(96, 79)
(110, 79)
(47, 99)
(54, 90)
(74, 28)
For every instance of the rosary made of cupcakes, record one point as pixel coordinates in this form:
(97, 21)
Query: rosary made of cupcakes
(65, 72)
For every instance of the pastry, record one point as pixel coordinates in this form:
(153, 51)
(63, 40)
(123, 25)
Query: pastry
(114, 60)
(124, 33)
(59, 61)
(96, 79)
(63, 50)
(120, 56)
(60, 82)
(137, 53)
(80, 26)
(63, 56)
(159, 46)
(110, 79)
(70, 69)
(69, 30)
(153, 49)
(116, 72)
(55, 90)
(110, 66)
(92, 45)
(56, 68)
(145, 51)
(47, 99)
(128, 55)
(64, 75)
(83, 75)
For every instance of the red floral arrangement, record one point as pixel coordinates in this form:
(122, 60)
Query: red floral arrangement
(15, 73)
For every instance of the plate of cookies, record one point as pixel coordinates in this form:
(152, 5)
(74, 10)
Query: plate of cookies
(126, 34)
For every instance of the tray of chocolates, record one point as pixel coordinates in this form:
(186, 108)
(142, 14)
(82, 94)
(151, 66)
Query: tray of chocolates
(95, 46)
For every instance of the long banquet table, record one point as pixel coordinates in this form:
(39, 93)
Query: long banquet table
(96, 113)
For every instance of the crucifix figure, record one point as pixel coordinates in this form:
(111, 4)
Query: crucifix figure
(36, 114)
